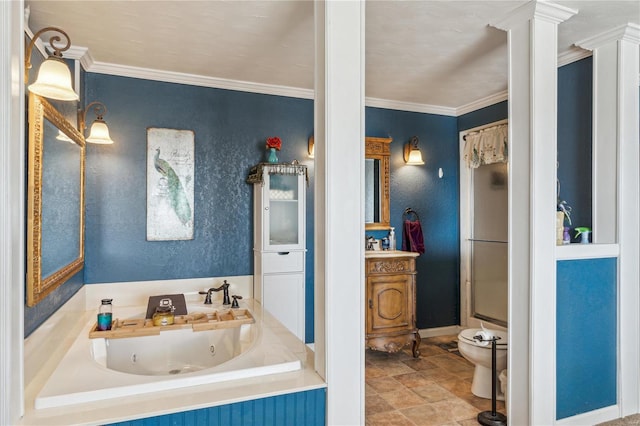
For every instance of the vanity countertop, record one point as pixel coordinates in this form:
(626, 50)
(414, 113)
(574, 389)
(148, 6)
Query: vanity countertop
(389, 253)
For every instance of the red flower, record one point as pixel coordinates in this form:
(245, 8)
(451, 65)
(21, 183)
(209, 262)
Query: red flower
(274, 142)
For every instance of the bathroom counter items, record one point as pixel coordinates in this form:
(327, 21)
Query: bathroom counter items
(137, 327)
(391, 301)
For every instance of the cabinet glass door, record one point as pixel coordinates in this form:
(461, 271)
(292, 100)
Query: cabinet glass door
(283, 221)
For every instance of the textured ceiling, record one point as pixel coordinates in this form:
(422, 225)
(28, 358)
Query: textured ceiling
(439, 53)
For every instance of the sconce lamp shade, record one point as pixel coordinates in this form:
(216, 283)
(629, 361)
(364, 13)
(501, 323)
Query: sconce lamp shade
(63, 137)
(54, 77)
(415, 157)
(99, 133)
(54, 81)
(311, 147)
(412, 154)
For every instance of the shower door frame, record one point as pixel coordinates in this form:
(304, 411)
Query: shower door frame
(466, 226)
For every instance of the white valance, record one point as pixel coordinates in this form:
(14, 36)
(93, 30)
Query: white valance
(486, 146)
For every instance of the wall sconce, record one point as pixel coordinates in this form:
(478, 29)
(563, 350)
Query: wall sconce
(99, 133)
(311, 147)
(62, 136)
(54, 76)
(412, 154)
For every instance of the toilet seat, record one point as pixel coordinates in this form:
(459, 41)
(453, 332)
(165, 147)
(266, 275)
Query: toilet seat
(467, 336)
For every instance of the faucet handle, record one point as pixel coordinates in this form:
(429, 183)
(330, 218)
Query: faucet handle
(235, 301)
(207, 300)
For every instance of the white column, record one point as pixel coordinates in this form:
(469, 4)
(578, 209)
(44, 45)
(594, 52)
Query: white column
(339, 210)
(616, 216)
(11, 210)
(532, 36)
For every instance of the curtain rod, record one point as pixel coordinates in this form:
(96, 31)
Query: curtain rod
(464, 138)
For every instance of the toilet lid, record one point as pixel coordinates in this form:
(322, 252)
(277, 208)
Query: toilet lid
(468, 334)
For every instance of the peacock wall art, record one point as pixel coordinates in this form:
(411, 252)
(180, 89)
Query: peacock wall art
(169, 184)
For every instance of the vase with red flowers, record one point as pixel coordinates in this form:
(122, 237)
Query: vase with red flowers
(273, 144)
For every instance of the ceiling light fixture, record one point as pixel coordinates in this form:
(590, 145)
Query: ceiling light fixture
(412, 154)
(54, 76)
(99, 133)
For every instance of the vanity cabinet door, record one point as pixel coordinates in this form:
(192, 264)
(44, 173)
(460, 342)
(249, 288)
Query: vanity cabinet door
(390, 303)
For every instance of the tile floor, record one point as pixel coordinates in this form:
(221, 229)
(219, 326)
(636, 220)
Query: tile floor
(434, 389)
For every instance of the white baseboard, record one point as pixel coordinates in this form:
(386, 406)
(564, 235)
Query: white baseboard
(440, 331)
(592, 417)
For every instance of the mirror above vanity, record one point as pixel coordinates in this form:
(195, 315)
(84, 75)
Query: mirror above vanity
(377, 154)
(55, 208)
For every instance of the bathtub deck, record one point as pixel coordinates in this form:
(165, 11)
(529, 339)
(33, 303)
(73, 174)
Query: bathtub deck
(51, 347)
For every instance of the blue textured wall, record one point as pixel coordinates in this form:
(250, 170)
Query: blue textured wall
(435, 200)
(302, 408)
(586, 330)
(36, 315)
(230, 129)
(486, 115)
(230, 132)
(574, 138)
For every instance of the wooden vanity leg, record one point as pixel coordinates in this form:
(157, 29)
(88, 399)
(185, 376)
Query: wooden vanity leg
(416, 345)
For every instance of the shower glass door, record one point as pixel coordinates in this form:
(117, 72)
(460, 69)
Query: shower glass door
(489, 245)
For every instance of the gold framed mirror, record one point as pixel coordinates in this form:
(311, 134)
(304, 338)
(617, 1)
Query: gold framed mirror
(377, 154)
(55, 205)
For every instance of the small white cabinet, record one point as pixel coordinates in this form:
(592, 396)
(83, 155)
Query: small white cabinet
(279, 241)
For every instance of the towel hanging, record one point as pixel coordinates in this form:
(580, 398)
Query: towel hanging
(412, 238)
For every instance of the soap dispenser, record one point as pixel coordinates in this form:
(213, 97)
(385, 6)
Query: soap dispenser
(392, 239)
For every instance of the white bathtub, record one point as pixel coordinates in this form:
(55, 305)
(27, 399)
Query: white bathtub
(101, 369)
(174, 351)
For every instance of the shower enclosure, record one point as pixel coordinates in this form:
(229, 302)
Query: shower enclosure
(484, 243)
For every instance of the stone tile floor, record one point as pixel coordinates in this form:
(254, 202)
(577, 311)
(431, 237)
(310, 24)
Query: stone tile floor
(627, 421)
(434, 389)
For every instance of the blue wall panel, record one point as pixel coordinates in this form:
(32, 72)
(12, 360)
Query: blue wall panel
(586, 336)
(435, 200)
(302, 408)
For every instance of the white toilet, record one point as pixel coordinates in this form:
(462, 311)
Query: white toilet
(480, 355)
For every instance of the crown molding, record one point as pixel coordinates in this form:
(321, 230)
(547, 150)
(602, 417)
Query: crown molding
(482, 103)
(543, 10)
(198, 80)
(627, 32)
(409, 106)
(573, 55)
(81, 54)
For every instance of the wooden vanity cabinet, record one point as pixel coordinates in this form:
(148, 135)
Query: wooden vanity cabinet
(391, 301)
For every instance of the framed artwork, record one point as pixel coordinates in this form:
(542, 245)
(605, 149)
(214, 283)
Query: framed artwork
(170, 183)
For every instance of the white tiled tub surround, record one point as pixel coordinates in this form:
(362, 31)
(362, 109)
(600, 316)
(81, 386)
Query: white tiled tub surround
(51, 369)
